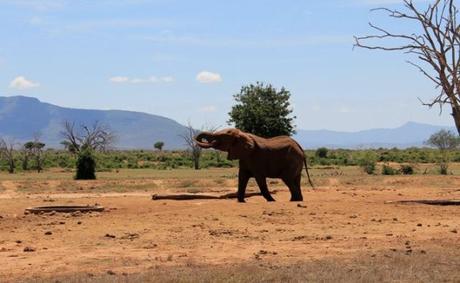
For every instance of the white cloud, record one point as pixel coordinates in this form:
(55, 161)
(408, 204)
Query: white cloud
(344, 109)
(119, 79)
(206, 77)
(21, 83)
(208, 109)
(167, 79)
(151, 79)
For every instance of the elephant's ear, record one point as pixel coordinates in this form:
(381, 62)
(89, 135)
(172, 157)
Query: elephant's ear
(242, 146)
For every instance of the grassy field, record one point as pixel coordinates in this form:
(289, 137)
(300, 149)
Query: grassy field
(128, 180)
(383, 267)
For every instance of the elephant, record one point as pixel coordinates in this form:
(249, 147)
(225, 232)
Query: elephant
(261, 158)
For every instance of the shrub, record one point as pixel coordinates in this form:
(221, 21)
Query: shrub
(86, 165)
(321, 152)
(407, 170)
(443, 168)
(388, 170)
(369, 168)
(367, 162)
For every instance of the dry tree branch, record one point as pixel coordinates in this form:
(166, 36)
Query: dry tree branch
(436, 44)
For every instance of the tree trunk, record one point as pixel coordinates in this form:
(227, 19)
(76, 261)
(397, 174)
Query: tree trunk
(456, 115)
(25, 163)
(196, 162)
(39, 163)
(11, 166)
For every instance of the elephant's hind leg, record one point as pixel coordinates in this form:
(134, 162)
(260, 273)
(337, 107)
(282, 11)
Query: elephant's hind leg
(293, 184)
(262, 183)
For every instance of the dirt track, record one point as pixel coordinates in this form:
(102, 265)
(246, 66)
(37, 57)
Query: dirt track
(136, 233)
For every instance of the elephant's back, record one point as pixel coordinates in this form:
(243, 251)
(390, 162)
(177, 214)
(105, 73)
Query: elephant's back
(280, 143)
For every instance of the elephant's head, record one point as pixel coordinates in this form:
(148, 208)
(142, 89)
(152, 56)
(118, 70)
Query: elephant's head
(237, 143)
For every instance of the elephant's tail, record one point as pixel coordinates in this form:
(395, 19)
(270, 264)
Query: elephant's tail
(305, 163)
(306, 169)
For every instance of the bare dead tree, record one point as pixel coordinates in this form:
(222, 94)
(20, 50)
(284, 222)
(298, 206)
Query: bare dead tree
(96, 137)
(7, 152)
(193, 148)
(435, 45)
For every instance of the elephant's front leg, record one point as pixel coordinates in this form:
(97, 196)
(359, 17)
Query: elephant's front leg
(243, 178)
(262, 183)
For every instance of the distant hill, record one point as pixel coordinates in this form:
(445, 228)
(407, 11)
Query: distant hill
(21, 117)
(408, 135)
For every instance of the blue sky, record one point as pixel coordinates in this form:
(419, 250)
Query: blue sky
(185, 59)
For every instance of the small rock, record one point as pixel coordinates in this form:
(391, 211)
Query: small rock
(328, 237)
(110, 272)
(79, 222)
(48, 233)
(454, 231)
(29, 249)
(110, 236)
(18, 241)
(301, 206)
(419, 225)
(423, 252)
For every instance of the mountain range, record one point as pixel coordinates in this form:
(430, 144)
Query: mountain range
(21, 117)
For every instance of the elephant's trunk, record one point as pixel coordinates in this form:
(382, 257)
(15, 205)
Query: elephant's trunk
(209, 137)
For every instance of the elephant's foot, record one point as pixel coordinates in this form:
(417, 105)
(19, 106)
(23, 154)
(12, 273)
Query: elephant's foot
(241, 200)
(298, 199)
(270, 199)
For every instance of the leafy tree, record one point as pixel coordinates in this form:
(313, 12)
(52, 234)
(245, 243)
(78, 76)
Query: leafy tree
(263, 110)
(27, 151)
(33, 149)
(445, 141)
(159, 145)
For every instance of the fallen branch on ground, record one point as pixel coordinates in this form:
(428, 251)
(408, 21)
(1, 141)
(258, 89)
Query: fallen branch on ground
(196, 196)
(427, 201)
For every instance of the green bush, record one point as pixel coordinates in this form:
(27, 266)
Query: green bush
(388, 170)
(368, 162)
(369, 168)
(321, 152)
(86, 165)
(443, 168)
(407, 170)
